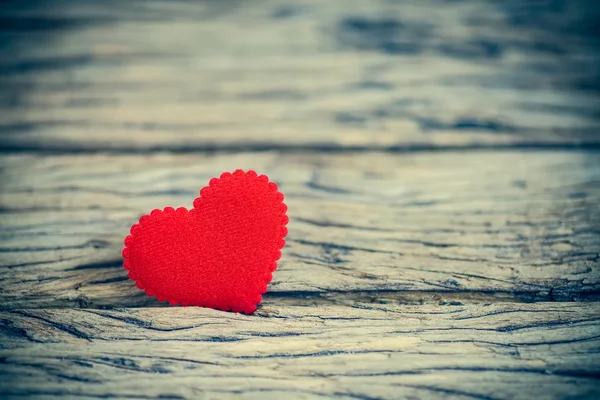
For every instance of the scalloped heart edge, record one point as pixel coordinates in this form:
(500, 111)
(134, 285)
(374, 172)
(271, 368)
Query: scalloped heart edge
(250, 306)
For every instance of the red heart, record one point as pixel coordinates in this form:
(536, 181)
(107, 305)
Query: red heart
(220, 254)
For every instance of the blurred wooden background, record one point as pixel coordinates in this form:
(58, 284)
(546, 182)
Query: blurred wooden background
(440, 160)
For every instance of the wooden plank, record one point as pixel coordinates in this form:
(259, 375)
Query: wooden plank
(503, 351)
(513, 224)
(372, 74)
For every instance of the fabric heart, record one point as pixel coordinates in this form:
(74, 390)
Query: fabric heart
(220, 254)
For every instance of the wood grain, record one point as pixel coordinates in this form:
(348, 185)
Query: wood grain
(485, 222)
(361, 352)
(440, 163)
(196, 76)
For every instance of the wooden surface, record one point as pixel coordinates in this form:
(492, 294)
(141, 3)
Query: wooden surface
(360, 351)
(520, 224)
(440, 161)
(312, 74)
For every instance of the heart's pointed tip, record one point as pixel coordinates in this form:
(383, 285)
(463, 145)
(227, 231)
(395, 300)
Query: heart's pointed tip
(237, 309)
(249, 308)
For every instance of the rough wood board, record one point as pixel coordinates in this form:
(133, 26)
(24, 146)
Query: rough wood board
(545, 350)
(270, 74)
(323, 84)
(499, 222)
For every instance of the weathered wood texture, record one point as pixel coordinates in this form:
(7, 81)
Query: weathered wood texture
(266, 74)
(360, 352)
(485, 221)
(397, 131)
